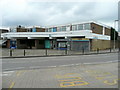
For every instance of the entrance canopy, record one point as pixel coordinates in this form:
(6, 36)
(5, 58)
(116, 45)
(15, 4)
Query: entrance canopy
(29, 35)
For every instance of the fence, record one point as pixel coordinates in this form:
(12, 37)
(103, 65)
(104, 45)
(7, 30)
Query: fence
(49, 52)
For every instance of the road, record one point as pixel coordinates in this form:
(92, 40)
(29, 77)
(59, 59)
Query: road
(45, 62)
(81, 72)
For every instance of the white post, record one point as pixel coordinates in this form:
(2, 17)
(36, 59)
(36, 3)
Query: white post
(114, 35)
(83, 26)
(103, 30)
(114, 31)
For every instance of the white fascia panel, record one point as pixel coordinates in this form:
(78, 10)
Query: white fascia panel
(86, 33)
(118, 33)
(26, 34)
(71, 33)
(97, 36)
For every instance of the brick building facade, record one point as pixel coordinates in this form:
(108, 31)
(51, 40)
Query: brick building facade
(76, 36)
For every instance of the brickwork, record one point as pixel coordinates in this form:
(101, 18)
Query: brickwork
(99, 29)
(117, 43)
(96, 28)
(40, 29)
(107, 31)
(100, 44)
(8, 43)
(22, 30)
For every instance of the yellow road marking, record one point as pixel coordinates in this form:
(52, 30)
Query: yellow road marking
(111, 83)
(73, 83)
(99, 78)
(103, 77)
(77, 78)
(19, 72)
(11, 86)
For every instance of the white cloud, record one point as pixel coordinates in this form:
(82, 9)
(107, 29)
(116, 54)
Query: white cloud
(24, 12)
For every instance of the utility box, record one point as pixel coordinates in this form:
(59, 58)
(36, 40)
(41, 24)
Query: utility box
(47, 44)
(12, 44)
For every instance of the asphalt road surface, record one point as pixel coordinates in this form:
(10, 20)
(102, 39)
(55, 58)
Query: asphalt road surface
(82, 71)
(45, 62)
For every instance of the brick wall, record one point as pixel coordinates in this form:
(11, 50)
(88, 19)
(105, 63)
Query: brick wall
(99, 29)
(8, 43)
(117, 43)
(40, 29)
(107, 31)
(22, 30)
(96, 28)
(101, 44)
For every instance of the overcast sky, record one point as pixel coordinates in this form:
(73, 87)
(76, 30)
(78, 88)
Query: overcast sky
(31, 12)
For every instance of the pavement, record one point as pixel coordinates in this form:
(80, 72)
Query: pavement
(21, 53)
(79, 76)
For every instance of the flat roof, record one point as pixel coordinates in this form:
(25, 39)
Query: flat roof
(101, 24)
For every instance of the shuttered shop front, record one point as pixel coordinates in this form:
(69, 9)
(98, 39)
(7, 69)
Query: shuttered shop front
(79, 45)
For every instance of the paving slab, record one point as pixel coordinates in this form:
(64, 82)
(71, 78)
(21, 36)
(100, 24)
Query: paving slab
(79, 76)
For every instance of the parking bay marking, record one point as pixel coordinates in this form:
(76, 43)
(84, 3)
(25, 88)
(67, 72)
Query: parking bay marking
(19, 72)
(71, 80)
(103, 77)
(11, 86)
(111, 83)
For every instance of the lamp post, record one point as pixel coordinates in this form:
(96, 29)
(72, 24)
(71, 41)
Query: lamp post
(114, 33)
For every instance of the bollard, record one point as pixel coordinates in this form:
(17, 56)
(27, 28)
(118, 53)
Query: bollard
(83, 51)
(66, 52)
(24, 52)
(10, 52)
(97, 50)
(110, 50)
(46, 52)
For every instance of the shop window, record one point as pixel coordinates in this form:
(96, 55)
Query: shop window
(13, 30)
(62, 44)
(87, 26)
(46, 30)
(22, 41)
(58, 29)
(63, 28)
(74, 27)
(41, 41)
(80, 27)
(30, 30)
(67, 28)
(50, 30)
